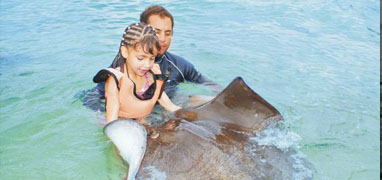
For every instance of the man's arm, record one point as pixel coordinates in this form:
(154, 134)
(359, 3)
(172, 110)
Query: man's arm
(195, 76)
(191, 74)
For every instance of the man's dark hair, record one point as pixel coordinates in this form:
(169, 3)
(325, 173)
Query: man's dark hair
(156, 10)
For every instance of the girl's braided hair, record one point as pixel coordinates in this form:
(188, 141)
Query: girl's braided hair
(138, 34)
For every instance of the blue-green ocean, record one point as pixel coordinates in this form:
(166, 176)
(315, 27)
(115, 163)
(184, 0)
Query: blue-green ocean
(316, 61)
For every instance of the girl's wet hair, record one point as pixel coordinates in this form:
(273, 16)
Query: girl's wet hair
(141, 34)
(138, 34)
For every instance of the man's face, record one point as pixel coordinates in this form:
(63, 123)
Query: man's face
(163, 28)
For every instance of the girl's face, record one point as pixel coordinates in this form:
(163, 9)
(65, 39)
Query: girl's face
(138, 61)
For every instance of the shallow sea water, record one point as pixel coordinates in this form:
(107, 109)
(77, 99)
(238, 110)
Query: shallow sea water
(317, 62)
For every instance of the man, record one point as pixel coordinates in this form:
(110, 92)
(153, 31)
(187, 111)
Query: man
(178, 69)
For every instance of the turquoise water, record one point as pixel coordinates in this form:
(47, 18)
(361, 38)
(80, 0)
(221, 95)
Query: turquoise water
(317, 62)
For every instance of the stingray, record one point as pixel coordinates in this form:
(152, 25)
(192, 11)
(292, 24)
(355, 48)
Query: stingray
(211, 141)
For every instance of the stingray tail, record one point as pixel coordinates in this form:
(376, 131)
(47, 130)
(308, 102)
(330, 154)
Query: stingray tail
(129, 137)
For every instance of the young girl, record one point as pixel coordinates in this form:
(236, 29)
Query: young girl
(133, 89)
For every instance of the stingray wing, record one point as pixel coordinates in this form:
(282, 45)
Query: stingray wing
(238, 105)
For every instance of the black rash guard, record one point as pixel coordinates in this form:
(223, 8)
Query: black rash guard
(179, 70)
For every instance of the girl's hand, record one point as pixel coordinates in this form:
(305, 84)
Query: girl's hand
(186, 114)
(167, 104)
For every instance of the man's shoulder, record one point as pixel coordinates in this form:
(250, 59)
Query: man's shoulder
(178, 60)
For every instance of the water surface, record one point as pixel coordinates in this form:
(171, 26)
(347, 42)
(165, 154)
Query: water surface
(317, 62)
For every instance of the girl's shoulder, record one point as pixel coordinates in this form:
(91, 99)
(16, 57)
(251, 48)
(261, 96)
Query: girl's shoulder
(103, 74)
(116, 71)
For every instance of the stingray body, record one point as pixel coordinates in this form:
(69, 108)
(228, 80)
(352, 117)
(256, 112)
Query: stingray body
(213, 141)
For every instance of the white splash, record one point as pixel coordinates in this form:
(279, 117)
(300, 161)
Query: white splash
(277, 137)
(302, 171)
(152, 173)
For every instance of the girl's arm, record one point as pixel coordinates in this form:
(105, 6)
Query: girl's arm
(167, 104)
(112, 100)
